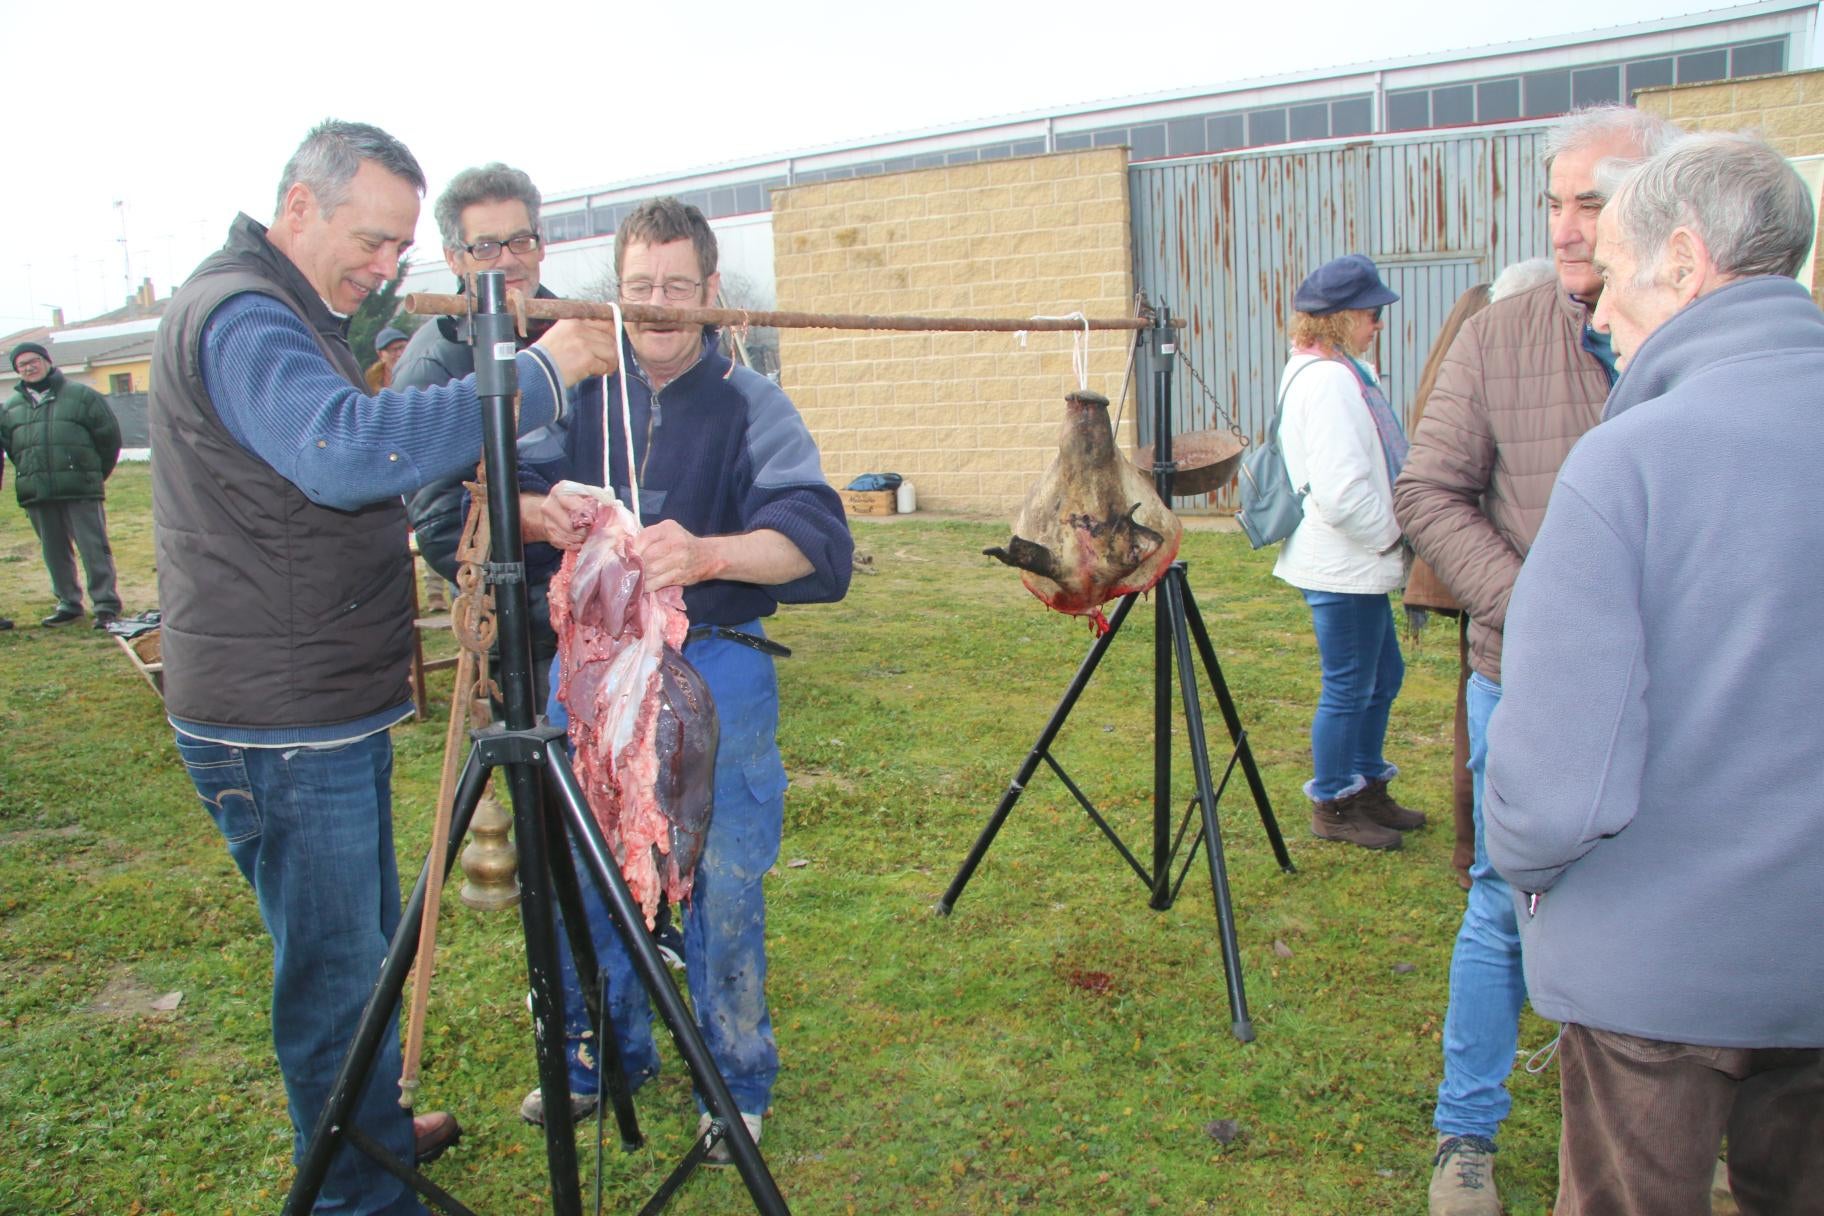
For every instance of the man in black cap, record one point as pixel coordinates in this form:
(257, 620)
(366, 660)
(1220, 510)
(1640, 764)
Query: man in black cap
(64, 442)
(389, 344)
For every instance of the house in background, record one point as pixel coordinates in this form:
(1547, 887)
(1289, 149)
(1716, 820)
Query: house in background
(111, 353)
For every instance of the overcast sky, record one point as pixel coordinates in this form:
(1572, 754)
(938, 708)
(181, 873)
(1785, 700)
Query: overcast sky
(163, 120)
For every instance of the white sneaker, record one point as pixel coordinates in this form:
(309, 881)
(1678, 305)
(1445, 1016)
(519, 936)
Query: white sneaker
(718, 1152)
(532, 1109)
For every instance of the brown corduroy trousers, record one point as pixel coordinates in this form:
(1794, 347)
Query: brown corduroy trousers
(1643, 1121)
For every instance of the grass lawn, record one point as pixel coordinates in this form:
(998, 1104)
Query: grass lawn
(1054, 1046)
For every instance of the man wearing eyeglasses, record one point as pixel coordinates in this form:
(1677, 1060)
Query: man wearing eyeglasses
(736, 512)
(64, 442)
(487, 218)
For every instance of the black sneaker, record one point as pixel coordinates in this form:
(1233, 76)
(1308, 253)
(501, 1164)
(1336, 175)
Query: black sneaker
(62, 616)
(5, 624)
(104, 619)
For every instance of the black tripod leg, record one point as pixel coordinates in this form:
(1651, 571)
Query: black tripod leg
(1163, 632)
(1173, 605)
(1237, 732)
(542, 974)
(606, 874)
(358, 1063)
(1033, 758)
(588, 969)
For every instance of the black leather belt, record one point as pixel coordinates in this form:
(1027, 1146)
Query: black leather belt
(763, 645)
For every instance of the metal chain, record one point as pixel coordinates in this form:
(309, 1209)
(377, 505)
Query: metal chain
(1223, 413)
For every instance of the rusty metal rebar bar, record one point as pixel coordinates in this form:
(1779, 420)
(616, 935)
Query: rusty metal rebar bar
(431, 304)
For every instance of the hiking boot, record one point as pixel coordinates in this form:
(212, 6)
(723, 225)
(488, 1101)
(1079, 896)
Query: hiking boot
(1379, 806)
(434, 1133)
(1344, 819)
(532, 1110)
(1463, 1177)
(62, 616)
(718, 1152)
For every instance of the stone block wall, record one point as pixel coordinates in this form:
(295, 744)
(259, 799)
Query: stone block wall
(971, 419)
(1787, 110)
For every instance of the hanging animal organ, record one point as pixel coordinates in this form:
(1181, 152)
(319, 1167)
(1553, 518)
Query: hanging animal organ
(1093, 528)
(641, 718)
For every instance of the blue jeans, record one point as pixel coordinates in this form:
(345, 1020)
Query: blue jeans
(1359, 653)
(312, 830)
(724, 920)
(1487, 984)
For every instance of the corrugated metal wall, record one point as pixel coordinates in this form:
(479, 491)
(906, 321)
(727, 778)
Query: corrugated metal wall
(1224, 241)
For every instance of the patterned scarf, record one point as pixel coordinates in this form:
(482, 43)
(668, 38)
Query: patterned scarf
(1386, 422)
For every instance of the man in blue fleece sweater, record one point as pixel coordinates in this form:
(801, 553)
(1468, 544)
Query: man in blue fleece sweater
(1653, 782)
(285, 584)
(737, 512)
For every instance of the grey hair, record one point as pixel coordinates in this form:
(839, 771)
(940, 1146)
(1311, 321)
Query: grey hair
(1521, 276)
(491, 183)
(1733, 190)
(661, 221)
(331, 155)
(1588, 125)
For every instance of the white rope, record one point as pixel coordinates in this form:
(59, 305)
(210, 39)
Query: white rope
(633, 476)
(1079, 345)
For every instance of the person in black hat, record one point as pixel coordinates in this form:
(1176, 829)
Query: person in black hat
(64, 442)
(389, 344)
(1344, 445)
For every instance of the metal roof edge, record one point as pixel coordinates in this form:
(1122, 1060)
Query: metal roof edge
(1042, 118)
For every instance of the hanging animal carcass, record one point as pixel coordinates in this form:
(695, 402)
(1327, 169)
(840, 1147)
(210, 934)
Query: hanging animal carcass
(641, 717)
(1093, 528)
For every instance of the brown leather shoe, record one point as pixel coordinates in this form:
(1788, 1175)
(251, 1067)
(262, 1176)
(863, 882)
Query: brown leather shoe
(1343, 819)
(432, 1134)
(1379, 806)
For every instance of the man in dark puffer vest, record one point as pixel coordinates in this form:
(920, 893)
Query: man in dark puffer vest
(284, 579)
(64, 442)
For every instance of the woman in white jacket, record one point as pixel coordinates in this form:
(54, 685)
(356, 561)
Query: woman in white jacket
(1344, 445)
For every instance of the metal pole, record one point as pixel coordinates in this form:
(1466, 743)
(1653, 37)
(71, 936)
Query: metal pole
(495, 382)
(1171, 605)
(429, 304)
(1165, 348)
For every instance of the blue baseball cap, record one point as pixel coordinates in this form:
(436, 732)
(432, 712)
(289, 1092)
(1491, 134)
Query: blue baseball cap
(1347, 282)
(387, 337)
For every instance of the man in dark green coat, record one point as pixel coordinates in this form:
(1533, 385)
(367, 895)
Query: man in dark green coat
(64, 441)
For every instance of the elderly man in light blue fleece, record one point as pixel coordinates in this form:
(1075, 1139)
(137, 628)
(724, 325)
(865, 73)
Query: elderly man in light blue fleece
(1655, 783)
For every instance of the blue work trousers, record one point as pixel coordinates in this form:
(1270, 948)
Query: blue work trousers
(724, 920)
(312, 830)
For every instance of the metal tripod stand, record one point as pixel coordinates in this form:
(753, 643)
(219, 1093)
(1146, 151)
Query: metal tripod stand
(537, 765)
(1176, 625)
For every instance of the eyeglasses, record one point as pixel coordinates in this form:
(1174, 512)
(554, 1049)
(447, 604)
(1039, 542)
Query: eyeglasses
(487, 251)
(1374, 314)
(26, 361)
(675, 289)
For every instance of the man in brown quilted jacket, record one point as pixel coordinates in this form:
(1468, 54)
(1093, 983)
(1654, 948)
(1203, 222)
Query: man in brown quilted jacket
(1522, 382)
